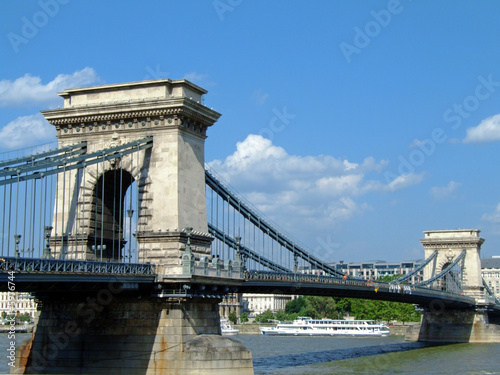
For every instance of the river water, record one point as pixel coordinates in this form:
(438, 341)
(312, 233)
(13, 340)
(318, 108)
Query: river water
(367, 355)
(273, 355)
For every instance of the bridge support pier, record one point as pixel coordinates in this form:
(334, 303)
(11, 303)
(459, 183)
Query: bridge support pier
(130, 334)
(456, 326)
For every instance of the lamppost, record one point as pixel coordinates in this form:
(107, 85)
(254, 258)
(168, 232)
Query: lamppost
(47, 231)
(17, 238)
(98, 248)
(130, 213)
(238, 241)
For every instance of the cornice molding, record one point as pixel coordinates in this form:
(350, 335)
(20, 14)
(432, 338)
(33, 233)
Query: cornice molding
(128, 116)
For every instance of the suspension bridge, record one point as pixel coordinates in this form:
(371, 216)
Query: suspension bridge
(124, 212)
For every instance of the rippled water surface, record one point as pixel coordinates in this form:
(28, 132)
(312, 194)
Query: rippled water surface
(275, 355)
(370, 355)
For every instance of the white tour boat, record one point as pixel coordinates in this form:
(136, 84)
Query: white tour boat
(227, 329)
(305, 326)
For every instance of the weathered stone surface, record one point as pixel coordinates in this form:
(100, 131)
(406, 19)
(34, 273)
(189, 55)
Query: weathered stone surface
(455, 326)
(173, 337)
(170, 176)
(449, 244)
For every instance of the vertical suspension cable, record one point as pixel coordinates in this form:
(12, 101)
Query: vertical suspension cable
(78, 211)
(4, 187)
(43, 205)
(57, 205)
(102, 205)
(254, 243)
(120, 214)
(130, 223)
(61, 252)
(95, 194)
(77, 214)
(9, 218)
(25, 217)
(17, 216)
(132, 180)
(217, 220)
(114, 213)
(223, 230)
(32, 219)
(138, 181)
(84, 218)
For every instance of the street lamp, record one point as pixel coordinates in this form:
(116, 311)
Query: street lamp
(130, 213)
(238, 241)
(98, 248)
(47, 231)
(17, 238)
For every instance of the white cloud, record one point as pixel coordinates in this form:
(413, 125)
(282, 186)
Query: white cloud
(403, 181)
(443, 192)
(26, 131)
(487, 131)
(260, 97)
(416, 142)
(29, 89)
(493, 217)
(303, 191)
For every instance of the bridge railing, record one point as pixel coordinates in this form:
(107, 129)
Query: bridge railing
(376, 286)
(216, 268)
(11, 264)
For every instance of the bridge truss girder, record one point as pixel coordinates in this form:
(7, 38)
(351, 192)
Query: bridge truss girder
(255, 219)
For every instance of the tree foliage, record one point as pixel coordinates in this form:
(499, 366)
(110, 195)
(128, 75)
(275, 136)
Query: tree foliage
(265, 316)
(232, 317)
(336, 308)
(244, 317)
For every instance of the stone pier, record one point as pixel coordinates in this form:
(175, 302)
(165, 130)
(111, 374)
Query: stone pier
(447, 324)
(456, 326)
(131, 334)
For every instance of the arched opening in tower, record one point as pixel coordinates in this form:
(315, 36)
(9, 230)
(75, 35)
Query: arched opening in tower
(110, 216)
(451, 282)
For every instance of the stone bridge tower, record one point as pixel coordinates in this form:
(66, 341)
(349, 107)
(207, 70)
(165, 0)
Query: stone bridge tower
(170, 176)
(450, 244)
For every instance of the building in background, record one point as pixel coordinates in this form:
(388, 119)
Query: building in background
(377, 269)
(23, 303)
(258, 303)
(490, 268)
(231, 303)
(373, 270)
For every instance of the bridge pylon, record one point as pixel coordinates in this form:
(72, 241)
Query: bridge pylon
(455, 267)
(450, 244)
(169, 177)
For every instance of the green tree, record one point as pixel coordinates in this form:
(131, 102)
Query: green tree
(265, 316)
(232, 317)
(295, 305)
(281, 315)
(244, 317)
(322, 307)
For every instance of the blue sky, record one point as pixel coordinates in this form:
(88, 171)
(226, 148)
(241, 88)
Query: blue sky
(354, 125)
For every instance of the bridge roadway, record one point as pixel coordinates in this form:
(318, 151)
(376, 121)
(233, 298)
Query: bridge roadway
(43, 276)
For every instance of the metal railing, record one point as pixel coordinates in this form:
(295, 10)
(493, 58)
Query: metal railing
(376, 286)
(33, 265)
